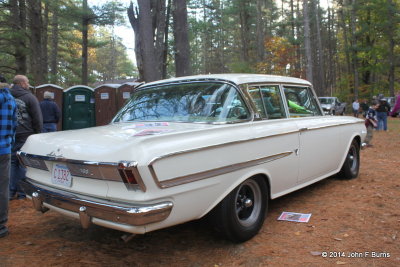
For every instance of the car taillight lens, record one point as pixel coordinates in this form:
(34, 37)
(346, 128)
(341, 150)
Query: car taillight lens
(128, 177)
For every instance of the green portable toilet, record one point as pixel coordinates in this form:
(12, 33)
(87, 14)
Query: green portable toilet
(78, 108)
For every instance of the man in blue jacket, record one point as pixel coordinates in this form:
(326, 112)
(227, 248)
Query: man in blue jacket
(8, 124)
(50, 112)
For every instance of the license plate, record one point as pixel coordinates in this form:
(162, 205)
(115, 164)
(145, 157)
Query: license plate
(61, 175)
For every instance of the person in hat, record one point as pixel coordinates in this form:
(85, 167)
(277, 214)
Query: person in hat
(50, 112)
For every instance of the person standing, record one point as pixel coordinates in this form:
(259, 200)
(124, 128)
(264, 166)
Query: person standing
(50, 112)
(371, 122)
(364, 107)
(382, 113)
(356, 108)
(29, 117)
(8, 124)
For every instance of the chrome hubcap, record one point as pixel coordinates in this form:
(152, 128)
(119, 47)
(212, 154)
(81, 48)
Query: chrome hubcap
(248, 203)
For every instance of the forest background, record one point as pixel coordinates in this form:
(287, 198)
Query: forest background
(346, 48)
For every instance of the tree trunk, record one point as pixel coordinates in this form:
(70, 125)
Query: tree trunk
(165, 46)
(343, 25)
(149, 24)
(354, 48)
(244, 29)
(45, 59)
(54, 46)
(133, 15)
(159, 22)
(307, 43)
(392, 56)
(260, 32)
(18, 8)
(331, 74)
(298, 64)
(35, 26)
(147, 42)
(182, 49)
(320, 51)
(85, 26)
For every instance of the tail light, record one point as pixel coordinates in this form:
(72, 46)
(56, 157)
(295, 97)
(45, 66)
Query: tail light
(130, 175)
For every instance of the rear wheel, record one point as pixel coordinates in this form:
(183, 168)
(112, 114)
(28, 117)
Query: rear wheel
(241, 214)
(351, 164)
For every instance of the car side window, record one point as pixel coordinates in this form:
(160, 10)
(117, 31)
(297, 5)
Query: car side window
(268, 100)
(255, 94)
(301, 102)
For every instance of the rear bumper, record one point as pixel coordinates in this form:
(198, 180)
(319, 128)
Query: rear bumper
(87, 209)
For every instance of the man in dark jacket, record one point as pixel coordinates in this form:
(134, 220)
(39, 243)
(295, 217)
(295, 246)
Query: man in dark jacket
(50, 112)
(29, 117)
(382, 113)
(8, 123)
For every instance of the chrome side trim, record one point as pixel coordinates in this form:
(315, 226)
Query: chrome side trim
(215, 172)
(88, 169)
(62, 159)
(333, 125)
(225, 169)
(124, 213)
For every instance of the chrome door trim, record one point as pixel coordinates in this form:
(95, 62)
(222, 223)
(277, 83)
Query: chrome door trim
(214, 172)
(224, 169)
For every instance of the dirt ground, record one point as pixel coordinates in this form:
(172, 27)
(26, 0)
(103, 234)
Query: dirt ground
(353, 223)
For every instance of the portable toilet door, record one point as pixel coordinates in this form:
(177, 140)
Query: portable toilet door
(78, 108)
(124, 93)
(106, 105)
(57, 93)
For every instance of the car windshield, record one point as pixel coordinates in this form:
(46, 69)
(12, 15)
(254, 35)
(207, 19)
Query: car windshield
(206, 102)
(326, 100)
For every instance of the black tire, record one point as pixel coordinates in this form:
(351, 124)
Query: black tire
(333, 112)
(343, 112)
(240, 215)
(351, 165)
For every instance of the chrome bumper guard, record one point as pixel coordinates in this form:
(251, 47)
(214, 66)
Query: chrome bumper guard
(124, 213)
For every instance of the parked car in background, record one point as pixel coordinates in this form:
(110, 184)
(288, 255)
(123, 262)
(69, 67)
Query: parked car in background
(183, 148)
(332, 106)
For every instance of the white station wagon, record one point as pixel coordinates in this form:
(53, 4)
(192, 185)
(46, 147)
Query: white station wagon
(182, 148)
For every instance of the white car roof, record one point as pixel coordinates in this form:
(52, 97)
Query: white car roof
(238, 78)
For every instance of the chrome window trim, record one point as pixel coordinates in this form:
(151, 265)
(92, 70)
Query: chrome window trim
(283, 85)
(279, 89)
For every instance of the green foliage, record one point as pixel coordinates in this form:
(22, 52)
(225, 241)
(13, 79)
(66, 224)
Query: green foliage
(102, 42)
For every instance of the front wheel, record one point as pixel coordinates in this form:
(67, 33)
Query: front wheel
(351, 165)
(241, 214)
